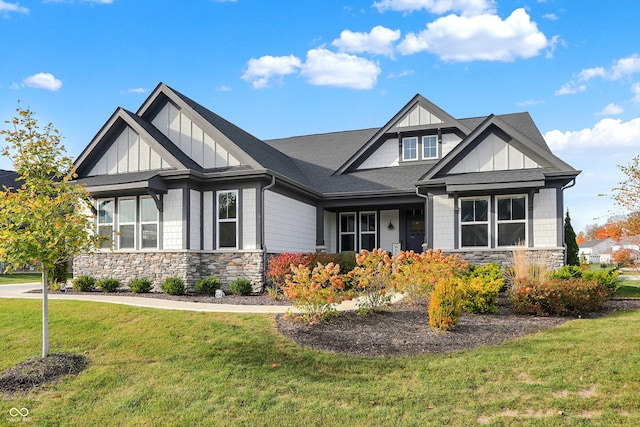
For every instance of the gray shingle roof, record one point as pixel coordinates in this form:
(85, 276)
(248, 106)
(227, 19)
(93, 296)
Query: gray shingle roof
(8, 179)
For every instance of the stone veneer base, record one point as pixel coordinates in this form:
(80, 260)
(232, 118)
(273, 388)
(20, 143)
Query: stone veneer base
(187, 265)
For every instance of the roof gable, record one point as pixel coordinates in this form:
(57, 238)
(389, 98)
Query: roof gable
(417, 114)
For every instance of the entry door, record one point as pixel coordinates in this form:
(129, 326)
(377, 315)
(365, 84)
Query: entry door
(415, 233)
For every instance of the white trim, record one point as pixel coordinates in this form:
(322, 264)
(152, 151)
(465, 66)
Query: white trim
(437, 146)
(417, 148)
(487, 222)
(375, 228)
(353, 233)
(127, 223)
(156, 223)
(524, 221)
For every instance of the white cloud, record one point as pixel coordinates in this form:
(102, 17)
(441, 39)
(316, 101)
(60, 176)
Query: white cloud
(482, 37)
(622, 68)
(12, 7)
(403, 73)
(326, 68)
(43, 81)
(378, 41)
(438, 7)
(260, 71)
(530, 103)
(137, 90)
(589, 73)
(636, 92)
(606, 133)
(550, 16)
(223, 88)
(570, 89)
(611, 109)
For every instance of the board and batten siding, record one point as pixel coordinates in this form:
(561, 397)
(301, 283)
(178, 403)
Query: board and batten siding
(545, 219)
(388, 154)
(290, 225)
(191, 139)
(449, 142)
(194, 220)
(443, 222)
(128, 153)
(172, 224)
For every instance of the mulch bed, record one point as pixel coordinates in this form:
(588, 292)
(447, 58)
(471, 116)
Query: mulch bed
(38, 371)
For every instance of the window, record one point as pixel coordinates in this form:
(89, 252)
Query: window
(410, 148)
(512, 220)
(430, 147)
(227, 219)
(368, 234)
(127, 223)
(347, 232)
(148, 223)
(105, 222)
(474, 222)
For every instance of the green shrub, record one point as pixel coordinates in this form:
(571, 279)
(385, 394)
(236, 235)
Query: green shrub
(480, 288)
(110, 284)
(607, 278)
(445, 304)
(173, 286)
(140, 285)
(207, 285)
(241, 287)
(84, 283)
(563, 297)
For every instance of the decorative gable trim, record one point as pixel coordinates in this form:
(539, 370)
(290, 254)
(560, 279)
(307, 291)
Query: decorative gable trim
(419, 113)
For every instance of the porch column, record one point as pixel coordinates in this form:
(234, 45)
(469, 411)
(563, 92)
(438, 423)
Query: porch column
(320, 246)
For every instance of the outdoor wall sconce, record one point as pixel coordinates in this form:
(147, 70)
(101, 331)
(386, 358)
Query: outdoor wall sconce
(390, 226)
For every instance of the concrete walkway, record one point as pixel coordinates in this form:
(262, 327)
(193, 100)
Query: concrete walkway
(22, 291)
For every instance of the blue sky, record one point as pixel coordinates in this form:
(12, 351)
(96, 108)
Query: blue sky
(285, 68)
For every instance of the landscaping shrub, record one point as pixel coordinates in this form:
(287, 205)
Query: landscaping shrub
(110, 284)
(372, 280)
(480, 288)
(563, 297)
(207, 285)
(417, 273)
(140, 285)
(607, 278)
(84, 283)
(445, 304)
(314, 293)
(173, 286)
(347, 261)
(280, 265)
(241, 287)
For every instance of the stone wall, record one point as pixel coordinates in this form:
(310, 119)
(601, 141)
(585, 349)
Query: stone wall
(553, 258)
(189, 266)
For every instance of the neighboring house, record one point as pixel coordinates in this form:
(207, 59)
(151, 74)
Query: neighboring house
(630, 243)
(182, 192)
(597, 251)
(8, 180)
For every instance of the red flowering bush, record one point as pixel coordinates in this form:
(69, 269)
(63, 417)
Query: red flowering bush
(280, 265)
(314, 293)
(372, 280)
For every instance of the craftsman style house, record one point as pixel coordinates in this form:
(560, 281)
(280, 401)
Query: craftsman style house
(179, 191)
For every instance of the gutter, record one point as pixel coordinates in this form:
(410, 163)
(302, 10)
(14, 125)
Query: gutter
(262, 233)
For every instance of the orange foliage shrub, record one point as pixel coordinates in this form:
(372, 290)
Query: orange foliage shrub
(372, 279)
(445, 304)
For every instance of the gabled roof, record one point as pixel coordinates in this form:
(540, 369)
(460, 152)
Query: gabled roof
(418, 100)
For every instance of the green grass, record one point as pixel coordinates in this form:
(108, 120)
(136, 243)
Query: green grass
(154, 367)
(629, 288)
(11, 279)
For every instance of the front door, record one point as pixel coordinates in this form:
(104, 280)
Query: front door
(415, 233)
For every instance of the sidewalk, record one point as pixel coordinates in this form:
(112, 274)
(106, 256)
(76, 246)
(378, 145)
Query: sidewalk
(22, 291)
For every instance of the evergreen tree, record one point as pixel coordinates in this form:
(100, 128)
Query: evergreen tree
(570, 242)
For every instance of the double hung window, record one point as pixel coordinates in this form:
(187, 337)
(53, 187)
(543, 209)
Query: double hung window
(347, 232)
(358, 230)
(127, 223)
(134, 231)
(512, 220)
(474, 222)
(430, 147)
(410, 148)
(148, 223)
(105, 222)
(227, 204)
(368, 235)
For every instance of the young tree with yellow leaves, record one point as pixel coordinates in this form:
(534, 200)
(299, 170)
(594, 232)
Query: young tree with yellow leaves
(43, 219)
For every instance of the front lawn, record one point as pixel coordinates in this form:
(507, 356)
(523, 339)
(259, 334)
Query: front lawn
(12, 279)
(629, 287)
(156, 367)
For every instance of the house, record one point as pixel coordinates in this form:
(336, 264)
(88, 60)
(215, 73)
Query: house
(180, 191)
(596, 251)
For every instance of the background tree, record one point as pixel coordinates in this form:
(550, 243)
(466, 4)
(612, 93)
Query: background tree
(570, 242)
(45, 220)
(627, 196)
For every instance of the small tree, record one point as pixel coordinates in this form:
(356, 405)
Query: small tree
(44, 220)
(627, 196)
(571, 242)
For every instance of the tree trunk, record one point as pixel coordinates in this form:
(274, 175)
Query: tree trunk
(45, 313)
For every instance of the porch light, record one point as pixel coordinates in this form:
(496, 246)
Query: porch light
(390, 226)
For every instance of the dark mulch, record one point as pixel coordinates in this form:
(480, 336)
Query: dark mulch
(404, 329)
(38, 371)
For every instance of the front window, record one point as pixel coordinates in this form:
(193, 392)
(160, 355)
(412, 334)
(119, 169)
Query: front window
(148, 223)
(227, 219)
(347, 232)
(512, 220)
(368, 235)
(474, 222)
(105, 222)
(410, 148)
(127, 223)
(429, 147)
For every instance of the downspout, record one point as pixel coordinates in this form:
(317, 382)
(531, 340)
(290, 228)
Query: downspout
(426, 224)
(265, 259)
